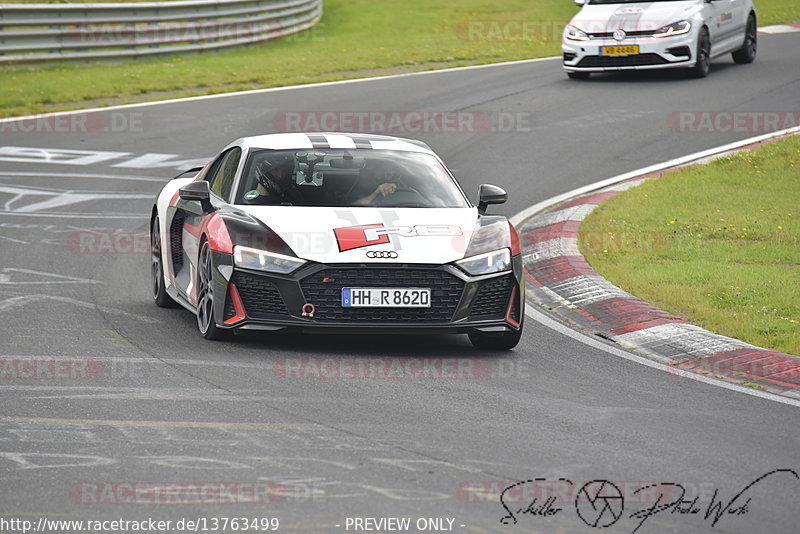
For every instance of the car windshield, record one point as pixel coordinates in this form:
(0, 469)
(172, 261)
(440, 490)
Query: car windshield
(348, 178)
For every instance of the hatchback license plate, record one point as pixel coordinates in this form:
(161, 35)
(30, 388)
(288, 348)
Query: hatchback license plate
(628, 50)
(386, 297)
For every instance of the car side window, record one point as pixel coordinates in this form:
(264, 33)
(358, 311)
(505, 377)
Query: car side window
(220, 179)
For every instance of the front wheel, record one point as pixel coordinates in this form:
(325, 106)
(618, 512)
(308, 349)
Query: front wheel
(702, 64)
(206, 321)
(747, 53)
(505, 341)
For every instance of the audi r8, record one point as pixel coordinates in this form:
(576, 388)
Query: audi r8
(336, 232)
(615, 35)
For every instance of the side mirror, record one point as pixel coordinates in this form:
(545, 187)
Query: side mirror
(197, 191)
(490, 194)
(580, 3)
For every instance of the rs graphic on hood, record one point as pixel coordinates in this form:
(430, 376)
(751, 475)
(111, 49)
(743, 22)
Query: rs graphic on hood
(378, 234)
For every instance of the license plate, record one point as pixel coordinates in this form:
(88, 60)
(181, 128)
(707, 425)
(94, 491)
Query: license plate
(628, 50)
(386, 297)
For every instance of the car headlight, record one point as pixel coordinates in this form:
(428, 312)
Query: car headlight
(575, 34)
(488, 263)
(678, 28)
(261, 260)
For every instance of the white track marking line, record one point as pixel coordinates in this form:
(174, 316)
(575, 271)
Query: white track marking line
(279, 89)
(5, 278)
(92, 176)
(301, 86)
(18, 302)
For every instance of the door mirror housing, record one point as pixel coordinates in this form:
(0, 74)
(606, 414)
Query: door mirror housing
(490, 194)
(197, 191)
(580, 3)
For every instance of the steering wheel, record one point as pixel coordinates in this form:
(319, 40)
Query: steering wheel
(405, 190)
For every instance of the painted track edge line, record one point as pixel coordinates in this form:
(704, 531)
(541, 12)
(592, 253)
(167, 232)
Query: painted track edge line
(275, 89)
(532, 310)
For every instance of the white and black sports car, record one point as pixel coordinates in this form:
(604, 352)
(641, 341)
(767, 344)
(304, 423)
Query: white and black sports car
(336, 231)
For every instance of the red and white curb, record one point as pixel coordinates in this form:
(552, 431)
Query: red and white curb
(780, 28)
(559, 278)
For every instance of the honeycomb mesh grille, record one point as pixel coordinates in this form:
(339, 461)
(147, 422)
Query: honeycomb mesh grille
(324, 290)
(260, 297)
(622, 61)
(492, 297)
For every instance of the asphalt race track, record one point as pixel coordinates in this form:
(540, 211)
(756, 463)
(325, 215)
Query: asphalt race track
(160, 407)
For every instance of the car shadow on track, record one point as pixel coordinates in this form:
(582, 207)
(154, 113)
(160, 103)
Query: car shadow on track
(652, 76)
(365, 345)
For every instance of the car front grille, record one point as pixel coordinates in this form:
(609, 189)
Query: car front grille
(323, 289)
(492, 297)
(260, 297)
(638, 60)
(628, 34)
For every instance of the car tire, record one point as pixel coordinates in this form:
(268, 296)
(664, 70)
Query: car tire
(579, 75)
(702, 64)
(160, 295)
(747, 53)
(505, 341)
(206, 320)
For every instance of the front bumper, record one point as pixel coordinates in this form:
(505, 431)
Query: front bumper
(654, 53)
(459, 303)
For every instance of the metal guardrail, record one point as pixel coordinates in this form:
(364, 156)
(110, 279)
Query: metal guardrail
(36, 32)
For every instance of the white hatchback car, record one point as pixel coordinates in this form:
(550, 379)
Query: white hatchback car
(614, 35)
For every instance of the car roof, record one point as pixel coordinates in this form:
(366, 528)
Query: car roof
(335, 140)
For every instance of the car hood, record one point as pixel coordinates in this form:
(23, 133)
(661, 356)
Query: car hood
(639, 16)
(371, 235)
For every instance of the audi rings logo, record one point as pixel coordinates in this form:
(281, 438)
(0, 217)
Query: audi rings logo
(382, 254)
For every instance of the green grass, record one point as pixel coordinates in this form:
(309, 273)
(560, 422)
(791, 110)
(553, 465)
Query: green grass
(717, 244)
(354, 38)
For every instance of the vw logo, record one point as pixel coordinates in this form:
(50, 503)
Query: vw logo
(382, 254)
(620, 34)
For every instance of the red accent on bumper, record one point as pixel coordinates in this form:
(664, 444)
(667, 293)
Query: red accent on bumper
(515, 248)
(511, 303)
(237, 305)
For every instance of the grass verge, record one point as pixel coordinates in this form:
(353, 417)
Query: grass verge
(355, 38)
(717, 244)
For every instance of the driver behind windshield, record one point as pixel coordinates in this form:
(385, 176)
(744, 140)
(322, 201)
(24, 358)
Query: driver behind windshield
(275, 184)
(379, 171)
